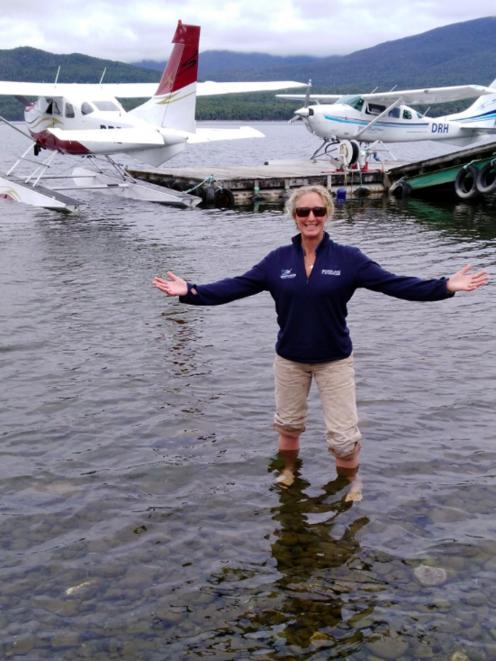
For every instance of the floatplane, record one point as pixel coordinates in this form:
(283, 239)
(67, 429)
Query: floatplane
(87, 120)
(345, 123)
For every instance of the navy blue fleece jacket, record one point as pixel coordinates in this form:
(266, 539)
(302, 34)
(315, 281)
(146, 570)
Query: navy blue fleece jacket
(311, 312)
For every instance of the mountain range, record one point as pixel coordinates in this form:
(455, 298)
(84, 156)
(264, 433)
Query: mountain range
(450, 55)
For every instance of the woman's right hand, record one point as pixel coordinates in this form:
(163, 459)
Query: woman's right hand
(173, 286)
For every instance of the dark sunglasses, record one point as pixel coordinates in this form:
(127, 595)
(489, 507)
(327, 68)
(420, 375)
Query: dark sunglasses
(304, 212)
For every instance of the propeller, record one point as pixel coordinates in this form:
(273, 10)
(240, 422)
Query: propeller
(303, 113)
(307, 93)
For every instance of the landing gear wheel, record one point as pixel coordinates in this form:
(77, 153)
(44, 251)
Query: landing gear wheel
(348, 152)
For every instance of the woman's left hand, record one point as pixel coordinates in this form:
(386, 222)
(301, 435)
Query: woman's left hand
(464, 280)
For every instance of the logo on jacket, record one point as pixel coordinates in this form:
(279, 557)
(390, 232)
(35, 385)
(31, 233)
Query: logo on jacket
(330, 272)
(287, 273)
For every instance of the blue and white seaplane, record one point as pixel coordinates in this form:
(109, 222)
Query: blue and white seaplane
(344, 122)
(89, 121)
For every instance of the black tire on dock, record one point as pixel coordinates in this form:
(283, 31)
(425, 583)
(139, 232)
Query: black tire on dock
(400, 189)
(207, 194)
(486, 179)
(224, 199)
(466, 183)
(348, 152)
(356, 152)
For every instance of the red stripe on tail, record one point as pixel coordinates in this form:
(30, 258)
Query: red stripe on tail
(182, 66)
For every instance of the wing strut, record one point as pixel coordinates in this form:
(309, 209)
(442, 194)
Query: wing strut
(395, 103)
(16, 128)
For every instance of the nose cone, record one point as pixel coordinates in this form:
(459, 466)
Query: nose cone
(303, 113)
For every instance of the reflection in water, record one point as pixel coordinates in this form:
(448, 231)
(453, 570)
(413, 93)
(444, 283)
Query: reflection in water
(312, 602)
(301, 546)
(461, 219)
(180, 338)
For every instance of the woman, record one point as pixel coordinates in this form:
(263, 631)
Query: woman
(311, 281)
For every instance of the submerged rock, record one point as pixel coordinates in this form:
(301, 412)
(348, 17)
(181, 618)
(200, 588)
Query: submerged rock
(391, 647)
(430, 575)
(459, 656)
(85, 587)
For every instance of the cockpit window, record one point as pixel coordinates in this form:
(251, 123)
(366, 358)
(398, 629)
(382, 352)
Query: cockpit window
(375, 109)
(106, 105)
(53, 107)
(86, 108)
(69, 109)
(394, 112)
(407, 114)
(352, 100)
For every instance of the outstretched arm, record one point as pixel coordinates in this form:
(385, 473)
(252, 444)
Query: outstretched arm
(372, 276)
(173, 286)
(464, 280)
(215, 293)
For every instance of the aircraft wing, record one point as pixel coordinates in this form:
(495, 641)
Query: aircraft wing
(211, 135)
(88, 91)
(132, 90)
(329, 98)
(413, 97)
(210, 88)
(430, 94)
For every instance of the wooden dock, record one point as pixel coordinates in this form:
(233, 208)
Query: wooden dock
(465, 172)
(268, 182)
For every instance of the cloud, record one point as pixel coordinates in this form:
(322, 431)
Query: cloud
(130, 31)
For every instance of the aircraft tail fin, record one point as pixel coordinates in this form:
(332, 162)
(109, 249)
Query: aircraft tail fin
(482, 113)
(174, 103)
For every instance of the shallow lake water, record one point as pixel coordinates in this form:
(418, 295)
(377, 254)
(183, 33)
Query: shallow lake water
(138, 514)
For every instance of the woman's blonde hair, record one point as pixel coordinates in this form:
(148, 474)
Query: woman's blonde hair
(292, 202)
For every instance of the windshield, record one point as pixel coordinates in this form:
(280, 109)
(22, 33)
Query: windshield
(352, 100)
(106, 105)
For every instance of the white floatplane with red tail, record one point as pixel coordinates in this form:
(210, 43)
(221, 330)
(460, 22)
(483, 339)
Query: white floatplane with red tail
(87, 120)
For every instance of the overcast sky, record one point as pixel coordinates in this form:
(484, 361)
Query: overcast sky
(142, 29)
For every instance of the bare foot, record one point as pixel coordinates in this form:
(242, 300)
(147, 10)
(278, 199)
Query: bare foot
(355, 494)
(285, 478)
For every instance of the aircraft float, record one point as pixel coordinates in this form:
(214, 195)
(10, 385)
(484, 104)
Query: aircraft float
(87, 120)
(343, 122)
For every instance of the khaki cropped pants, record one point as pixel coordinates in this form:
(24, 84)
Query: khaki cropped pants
(336, 384)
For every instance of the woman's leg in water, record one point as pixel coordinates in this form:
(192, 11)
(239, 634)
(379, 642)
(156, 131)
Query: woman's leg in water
(292, 384)
(289, 447)
(336, 384)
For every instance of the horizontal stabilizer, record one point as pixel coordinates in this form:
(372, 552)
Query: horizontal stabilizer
(212, 135)
(121, 137)
(477, 128)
